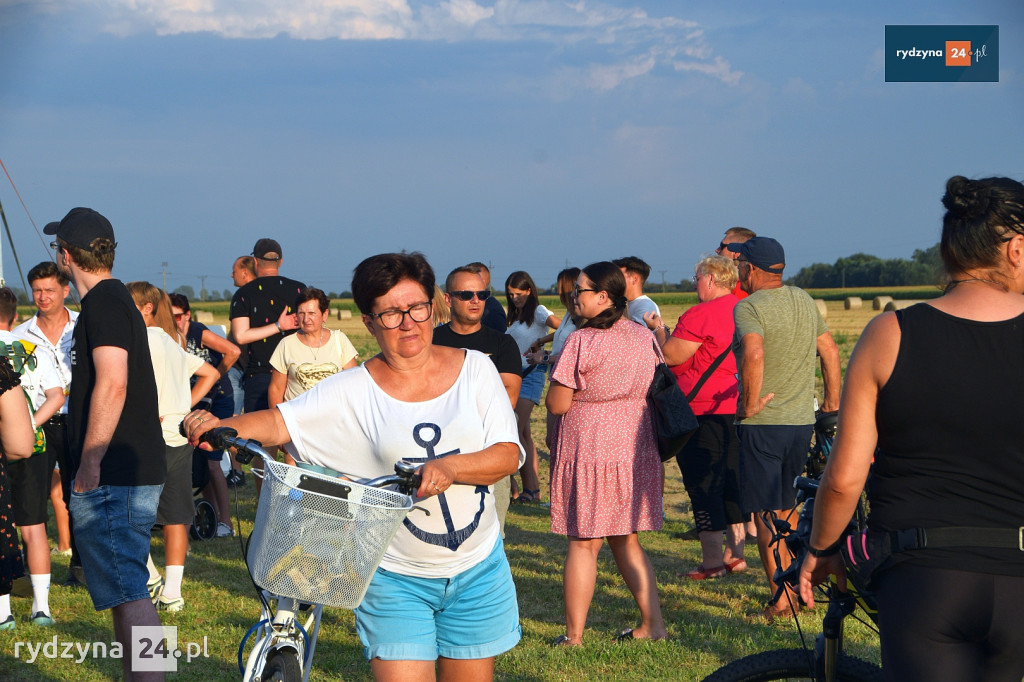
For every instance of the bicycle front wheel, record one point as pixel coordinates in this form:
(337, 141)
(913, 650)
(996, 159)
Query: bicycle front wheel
(792, 664)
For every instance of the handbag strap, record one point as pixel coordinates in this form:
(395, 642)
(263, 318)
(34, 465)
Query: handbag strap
(707, 374)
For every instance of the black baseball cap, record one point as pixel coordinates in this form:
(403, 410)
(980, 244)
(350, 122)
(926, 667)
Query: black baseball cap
(267, 249)
(762, 252)
(80, 226)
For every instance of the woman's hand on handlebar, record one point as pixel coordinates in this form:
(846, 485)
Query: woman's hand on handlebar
(196, 423)
(816, 570)
(437, 476)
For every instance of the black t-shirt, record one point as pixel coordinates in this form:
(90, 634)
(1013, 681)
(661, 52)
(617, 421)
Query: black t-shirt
(262, 301)
(501, 348)
(494, 315)
(194, 345)
(135, 455)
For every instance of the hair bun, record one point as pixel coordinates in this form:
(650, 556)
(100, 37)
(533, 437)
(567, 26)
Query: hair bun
(620, 302)
(966, 198)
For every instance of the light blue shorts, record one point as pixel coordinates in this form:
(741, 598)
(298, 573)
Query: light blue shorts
(112, 526)
(473, 615)
(533, 385)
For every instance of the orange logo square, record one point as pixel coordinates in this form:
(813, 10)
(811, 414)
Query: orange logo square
(958, 53)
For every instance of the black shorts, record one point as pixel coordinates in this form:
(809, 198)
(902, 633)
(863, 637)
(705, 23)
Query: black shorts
(30, 487)
(176, 506)
(771, 457)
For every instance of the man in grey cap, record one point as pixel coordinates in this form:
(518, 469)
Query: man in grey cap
(778, 333)
(116, 447)
(259, 317)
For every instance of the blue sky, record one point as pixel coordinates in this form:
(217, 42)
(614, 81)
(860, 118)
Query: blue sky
(527, 134)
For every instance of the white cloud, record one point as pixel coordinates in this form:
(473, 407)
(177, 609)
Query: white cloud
(633, 43)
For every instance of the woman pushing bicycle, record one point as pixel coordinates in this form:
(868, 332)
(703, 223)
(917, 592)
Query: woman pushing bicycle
(444, 592)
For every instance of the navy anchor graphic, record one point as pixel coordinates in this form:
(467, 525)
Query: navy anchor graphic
(453, 539)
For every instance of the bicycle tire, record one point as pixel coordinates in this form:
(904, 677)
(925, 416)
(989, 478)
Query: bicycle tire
(791, 664)
(204, 523)
(282, 666)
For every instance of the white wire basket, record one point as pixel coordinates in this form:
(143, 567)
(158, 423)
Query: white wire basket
(319, 539)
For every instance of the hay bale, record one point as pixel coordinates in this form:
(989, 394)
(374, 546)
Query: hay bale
(344, 314)
(899, 305)
(853, 303)
(822, 308)
(880, 301)
(204, 316)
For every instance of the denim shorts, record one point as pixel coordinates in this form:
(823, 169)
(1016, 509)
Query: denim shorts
(533, 385)
(470, 616)
(112, 526)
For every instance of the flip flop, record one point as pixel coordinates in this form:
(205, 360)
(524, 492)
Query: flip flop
(701, 573)
(528, 496)
(736, 566)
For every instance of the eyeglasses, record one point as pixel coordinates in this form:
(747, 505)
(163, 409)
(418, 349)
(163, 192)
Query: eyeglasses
(577, 290)
(178, 316)
(392, 319)
(468, 295)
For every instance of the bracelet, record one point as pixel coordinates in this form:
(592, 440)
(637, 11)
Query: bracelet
(831, 550)
(278, 325)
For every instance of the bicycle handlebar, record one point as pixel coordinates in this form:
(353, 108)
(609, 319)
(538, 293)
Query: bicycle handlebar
(405, 477)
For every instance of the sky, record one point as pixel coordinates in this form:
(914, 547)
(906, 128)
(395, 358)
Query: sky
(527, 134)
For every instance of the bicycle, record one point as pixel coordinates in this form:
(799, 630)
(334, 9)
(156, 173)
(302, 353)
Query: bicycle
(827, 662)
(317, 541)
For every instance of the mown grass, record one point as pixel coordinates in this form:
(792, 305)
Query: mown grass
(709, 623)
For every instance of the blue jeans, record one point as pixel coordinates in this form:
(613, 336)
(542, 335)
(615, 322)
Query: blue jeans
(238, 393)
(112, 525)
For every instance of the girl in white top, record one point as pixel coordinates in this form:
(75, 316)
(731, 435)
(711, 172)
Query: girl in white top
(312, 354)
(528, 321)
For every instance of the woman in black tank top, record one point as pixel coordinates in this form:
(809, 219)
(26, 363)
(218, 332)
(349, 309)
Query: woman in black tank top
(935, 388)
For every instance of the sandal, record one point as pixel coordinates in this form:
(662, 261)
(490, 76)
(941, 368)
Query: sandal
(701, 573)
(736, 566)
(628, 636)
(528, 496)
(563, 640)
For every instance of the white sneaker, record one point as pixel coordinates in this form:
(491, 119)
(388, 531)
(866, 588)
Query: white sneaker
(162, 603)
(225, 530)
(155, 587)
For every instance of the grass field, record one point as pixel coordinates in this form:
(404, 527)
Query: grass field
(709, 623)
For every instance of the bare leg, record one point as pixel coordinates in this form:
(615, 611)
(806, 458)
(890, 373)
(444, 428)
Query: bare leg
(60, 513)
(764, 536)
(38, 548)
(711, 549)
(452, 670)
(529, 471)
(175, 545)
(636, 569)
(578, 583)
(402, 671)
(126, 616)
(735, 536)
(216, 491)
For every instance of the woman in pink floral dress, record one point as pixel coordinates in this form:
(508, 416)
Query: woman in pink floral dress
(606, 481)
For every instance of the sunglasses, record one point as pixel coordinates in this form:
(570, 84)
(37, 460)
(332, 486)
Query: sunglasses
(468, 295)
(178, 316)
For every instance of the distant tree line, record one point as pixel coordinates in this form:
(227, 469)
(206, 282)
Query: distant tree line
(865, 270)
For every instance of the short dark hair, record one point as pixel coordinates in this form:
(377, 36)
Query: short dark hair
(97, 258)
(450, 280)
(564, 285)
(180, 301)
(741, 232)
(377, 275)
(8, 305)
(634, 264)
(47, 269)
(607, 277)
(313, 294)
(476, 267)
(980, 216)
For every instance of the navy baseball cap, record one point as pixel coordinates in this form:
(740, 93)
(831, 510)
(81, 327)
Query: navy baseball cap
(762, 252)
(267, 249)
(80, 226)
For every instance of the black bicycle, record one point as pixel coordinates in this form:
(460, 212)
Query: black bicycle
(826, 661)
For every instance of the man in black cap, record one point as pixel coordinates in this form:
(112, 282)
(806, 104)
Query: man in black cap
(778, 333)
(260, 314)
(116, 447)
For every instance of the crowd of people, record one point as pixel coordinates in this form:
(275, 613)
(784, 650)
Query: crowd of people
(96, 431)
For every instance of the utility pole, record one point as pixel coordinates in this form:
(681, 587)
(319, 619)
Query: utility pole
(664, 288)
(164, 266)
(202, 286)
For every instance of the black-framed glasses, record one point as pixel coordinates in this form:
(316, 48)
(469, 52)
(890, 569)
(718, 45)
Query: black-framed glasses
(577, 290)
(468, 295)
(392, 319)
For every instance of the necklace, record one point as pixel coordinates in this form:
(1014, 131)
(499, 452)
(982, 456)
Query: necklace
(320, 344)
(954, 282)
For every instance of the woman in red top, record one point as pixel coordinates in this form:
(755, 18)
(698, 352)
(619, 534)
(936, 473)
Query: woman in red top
(710, 460)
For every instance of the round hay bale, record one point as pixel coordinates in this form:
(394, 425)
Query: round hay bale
(899, 305)
(853, 303)
(344, 314)
(880, 301)
(822, 308)
(204, 316)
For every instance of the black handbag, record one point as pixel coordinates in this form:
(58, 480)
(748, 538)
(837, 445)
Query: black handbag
(674, 421)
